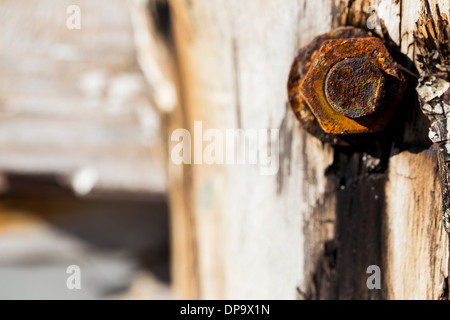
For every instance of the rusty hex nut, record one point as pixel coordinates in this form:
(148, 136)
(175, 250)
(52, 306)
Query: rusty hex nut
(344, 83)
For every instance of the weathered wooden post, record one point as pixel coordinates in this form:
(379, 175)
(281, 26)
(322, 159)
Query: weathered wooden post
(316, 228)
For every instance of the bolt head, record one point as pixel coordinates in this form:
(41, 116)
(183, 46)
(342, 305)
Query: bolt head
(344, 100)
(300, 65)
(354, 87)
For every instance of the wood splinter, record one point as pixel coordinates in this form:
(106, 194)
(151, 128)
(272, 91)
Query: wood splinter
(432, 40)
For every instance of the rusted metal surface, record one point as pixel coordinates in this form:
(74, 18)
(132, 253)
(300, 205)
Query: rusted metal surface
(351, 111)
(354, 87)
(330, 53)
(299, 67)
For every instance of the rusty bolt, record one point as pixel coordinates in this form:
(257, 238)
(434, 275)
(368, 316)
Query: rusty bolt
(345, 83)
(354, 87)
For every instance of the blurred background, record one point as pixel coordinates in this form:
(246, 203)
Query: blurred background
(82, 175)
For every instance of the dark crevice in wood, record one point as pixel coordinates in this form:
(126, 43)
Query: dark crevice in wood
(161, 17)
(349, 10)
(357, 17)
(340, 271)
(359, 210)
(445, 292)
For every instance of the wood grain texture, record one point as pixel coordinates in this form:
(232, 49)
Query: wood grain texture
(76, 98)
(311, 230)
(417, 247)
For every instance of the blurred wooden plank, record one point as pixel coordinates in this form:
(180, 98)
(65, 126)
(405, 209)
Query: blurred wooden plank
(76, 98)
